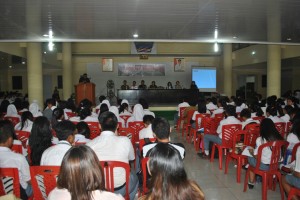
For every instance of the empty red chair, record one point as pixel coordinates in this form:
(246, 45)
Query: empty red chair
(14, 120)
(280, 126)
(218, 117)
(108, 169)
(186, 126)
(43, 179)
(180, 119)
(277, 147)
(136, 126)
(94, 129)
(228, 132)
(23, 137)
(9, 177)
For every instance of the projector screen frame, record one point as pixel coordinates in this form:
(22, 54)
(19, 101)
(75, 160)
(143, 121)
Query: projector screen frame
(204, 68)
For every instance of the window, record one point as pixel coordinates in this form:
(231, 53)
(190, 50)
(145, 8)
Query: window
(17, 83)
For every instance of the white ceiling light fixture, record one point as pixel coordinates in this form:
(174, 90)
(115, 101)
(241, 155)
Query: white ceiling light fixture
(253, 52)
(135, 35)
(289, 39)
(216, 34)
(216, 47)
(234, 37)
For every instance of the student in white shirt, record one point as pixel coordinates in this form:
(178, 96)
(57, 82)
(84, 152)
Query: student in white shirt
(210, 105)
(271, 113)
(26, 122)
(147, 131)
(201, 110)
(292, 137)
(65, 131)
(51, 105)
(184, 103)
(287, 111)
(9, 159)
(268, 133)
(101, 98)
(230, 113)
(83, 133)
(124, 109)
(12, 112)
(85, 115)
(221, 105)
(58, 115)
(35, 110)
(145, 105)
(137, 115)
(125, 101)
(24, 106)
(246, 117)
(115, 110)
(111, 147)
(76, 179)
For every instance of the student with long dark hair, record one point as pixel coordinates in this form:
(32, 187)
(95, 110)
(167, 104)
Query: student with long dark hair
(83, 134)
(268, 133)
(57, 116)
(40, 139)
(169, 179)
(26, 122)
(81, 177)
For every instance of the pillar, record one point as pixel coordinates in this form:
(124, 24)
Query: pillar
(67, 69)
(274, 51)
(227, 63)
(35, 73)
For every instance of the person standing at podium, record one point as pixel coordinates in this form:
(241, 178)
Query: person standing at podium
(84, 79)
(124, 86)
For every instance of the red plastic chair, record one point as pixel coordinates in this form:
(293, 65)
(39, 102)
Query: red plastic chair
(187, 125)
(136, 126)
(94, 129)
(250, 136)
(288, 127)
(180, 119)
(23, 137)
(280, 126)
(218, 117)
(71, 114)
(17, 148)
(293, 192)
(14, 120)
(125, 118)
(209, 127)
(43, 179)
(13, 175)
(228, 132)
(258, 118)
(294, 151)
(145, 172)
(276, 147)
(128, 132)
(108, 169)
(199, 118)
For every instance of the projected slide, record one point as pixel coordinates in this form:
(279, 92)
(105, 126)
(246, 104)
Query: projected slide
(205, 78)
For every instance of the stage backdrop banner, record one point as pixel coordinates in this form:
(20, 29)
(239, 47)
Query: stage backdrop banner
(141, 69)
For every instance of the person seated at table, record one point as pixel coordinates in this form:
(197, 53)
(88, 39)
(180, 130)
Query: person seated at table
(81, 177)
(168, 177)
(194, 86)
(124, 86)
(134, 86)
(143, 86)
(153, 85)
(169, 86)
(177, 85)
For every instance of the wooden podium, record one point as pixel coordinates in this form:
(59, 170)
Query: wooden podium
(85, 91)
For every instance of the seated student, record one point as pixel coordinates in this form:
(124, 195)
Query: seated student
(24, 106)
(26, 122)
(40, 139)
(147, 131)
(291, 101)
(107, 103)
(161, 131)
(184, 103)
(111, 147)
(168, 177)
(35, 110)
(64, 106)
(9, 159)
(201, 110)
(145, 105)
(101, 99)
(124, 108)
(287, 110)
(83, 133)
(231, 119)
(192, 107)
(137, 115)
(65, 131)
(81, 177)
(57, 116)
(246, 117)
(84, 114)
(12, 112)
(256, 111)
(271, 113)
(49, 109)
(292, 137)
(103, 109)
(238, 103)
(210, 105)
(268, 133)
(221, 105)
(115, 110)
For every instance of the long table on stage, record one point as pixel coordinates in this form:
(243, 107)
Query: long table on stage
(161, 97)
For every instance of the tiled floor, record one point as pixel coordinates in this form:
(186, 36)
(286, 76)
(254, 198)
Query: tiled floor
(215, 184)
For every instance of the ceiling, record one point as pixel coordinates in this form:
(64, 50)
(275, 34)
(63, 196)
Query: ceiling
(237, 21)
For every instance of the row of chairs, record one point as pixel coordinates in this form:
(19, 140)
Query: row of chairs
(43, 179)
